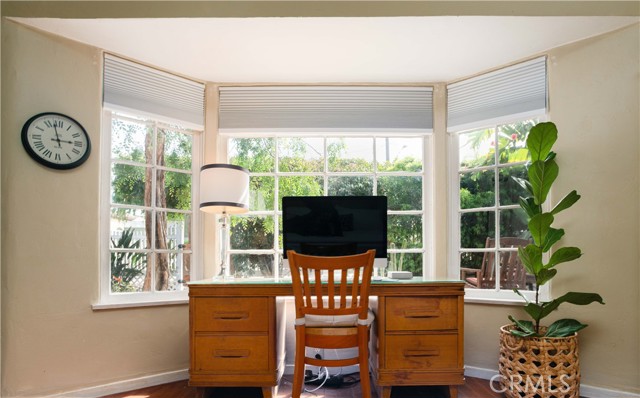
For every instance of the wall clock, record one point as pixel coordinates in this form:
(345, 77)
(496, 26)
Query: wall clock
(56, 140)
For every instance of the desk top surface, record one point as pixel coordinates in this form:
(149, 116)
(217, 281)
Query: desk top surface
(287, 281)
(283, 287)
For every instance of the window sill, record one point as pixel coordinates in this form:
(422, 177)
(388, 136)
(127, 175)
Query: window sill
(494, 301)
(503, 297)
(138, 304)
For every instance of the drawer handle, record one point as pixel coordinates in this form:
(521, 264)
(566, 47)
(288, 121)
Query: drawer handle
(434, 352)
(231, 353)
(422, 313)
(231, 316)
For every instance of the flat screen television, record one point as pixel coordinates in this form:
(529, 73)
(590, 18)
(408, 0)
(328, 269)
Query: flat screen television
(335, 225)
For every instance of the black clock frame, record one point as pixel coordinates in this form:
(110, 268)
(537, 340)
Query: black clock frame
(37, 158)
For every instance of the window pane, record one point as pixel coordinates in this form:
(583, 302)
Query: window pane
(399, 154)
(513, 274)
(480, 270)
(127, 229)
(255, 154)
(173, 230)
(173, 190)
(511, 141)
(128, 271)
(350, 186)
(165, 264)
(477, 148)
(350, 154)
(177, 148)
(475, 228)
(477, 189)
(252, 232)
(403, 193)
(301, 154)
(280, 244)
(251, 265)
(404, 232)
(170, 269)
(127, 184)
(470, 260)
(406, 262)
(513, 224)
(510, 190)
(128, 140)
(261, 193)
(300, 186)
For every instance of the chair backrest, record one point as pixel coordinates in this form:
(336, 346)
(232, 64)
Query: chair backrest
(331, 285)
(512, 272)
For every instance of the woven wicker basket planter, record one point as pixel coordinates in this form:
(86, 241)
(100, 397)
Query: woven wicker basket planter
(539, 367)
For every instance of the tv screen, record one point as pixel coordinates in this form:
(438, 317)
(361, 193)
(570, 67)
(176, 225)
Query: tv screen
(335, 225)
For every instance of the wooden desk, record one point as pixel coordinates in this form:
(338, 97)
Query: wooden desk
(417, 339)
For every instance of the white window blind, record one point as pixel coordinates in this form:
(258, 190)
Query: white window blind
(326, 109)
(514, 92)
(134, 86)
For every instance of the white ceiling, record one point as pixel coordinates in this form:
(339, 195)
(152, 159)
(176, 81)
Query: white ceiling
(330, 50)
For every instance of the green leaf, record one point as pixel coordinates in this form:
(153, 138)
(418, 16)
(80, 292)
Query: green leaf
(564, 328)
(526, 299)
(531, 257)
(535, 311)
(525, 328)
(545, 275)
(540, 140)
(542, 174)
(563, 255)
(530, 207)
(566, 202)
(553, 236)
(524, 183)
(539, 226)
(572, 298)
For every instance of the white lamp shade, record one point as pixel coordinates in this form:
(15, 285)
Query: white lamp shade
(224, 188)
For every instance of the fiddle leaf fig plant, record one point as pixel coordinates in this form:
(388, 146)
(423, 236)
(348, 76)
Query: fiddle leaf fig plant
(542, 171)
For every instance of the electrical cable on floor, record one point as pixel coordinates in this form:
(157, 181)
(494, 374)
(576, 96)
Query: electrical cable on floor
(326, 377)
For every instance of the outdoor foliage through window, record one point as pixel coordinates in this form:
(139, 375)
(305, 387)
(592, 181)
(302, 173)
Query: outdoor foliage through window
(151, 205)
(489, 211)
(319, 166)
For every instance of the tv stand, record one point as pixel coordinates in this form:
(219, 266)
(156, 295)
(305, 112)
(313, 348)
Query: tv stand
(235, 327)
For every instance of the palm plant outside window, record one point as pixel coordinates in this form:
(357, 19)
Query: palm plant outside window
(321, 166)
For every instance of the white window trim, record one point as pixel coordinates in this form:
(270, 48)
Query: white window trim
(480, 296)
(106, 299)
(428, 211)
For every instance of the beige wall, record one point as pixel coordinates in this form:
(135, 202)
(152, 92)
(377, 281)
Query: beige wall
(593, 89)
(51, 339)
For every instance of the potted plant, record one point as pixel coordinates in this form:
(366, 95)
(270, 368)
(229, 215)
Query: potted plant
(535, 360)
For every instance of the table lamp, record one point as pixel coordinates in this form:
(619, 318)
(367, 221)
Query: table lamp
(224, 189)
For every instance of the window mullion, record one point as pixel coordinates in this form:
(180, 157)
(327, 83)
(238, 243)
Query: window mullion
(496, 202)
(154, 213)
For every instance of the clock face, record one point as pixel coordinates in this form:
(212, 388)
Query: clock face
(56, 140)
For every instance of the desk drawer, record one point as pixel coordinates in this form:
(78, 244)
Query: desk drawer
(422, 351)
(231, 314)
(421, 313)
(231, 353)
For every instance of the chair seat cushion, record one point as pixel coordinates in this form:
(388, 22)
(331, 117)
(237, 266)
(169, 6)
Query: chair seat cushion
(316, 321)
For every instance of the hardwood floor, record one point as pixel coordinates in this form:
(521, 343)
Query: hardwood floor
(473, 388)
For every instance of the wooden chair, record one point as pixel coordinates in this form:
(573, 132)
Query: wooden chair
(332, 311)
(512, 272)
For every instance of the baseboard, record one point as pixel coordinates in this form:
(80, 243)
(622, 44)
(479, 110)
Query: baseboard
(586, 390)
(125, 385)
